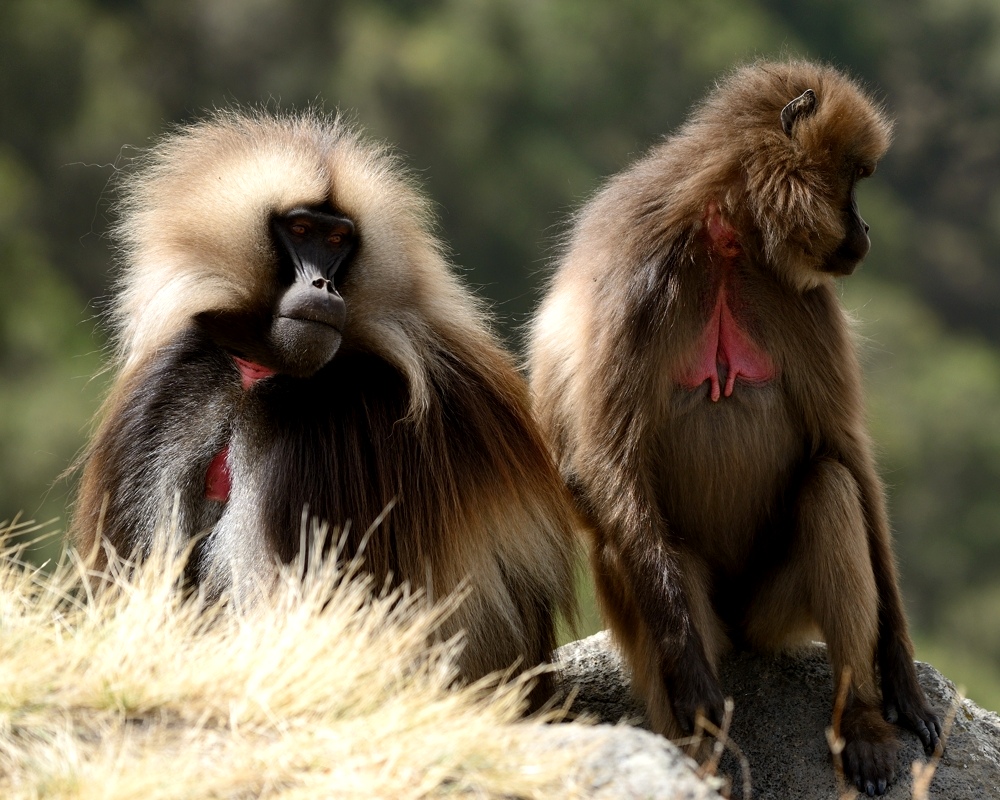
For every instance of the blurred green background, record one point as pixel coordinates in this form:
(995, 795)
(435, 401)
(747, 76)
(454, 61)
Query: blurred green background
(512, 112)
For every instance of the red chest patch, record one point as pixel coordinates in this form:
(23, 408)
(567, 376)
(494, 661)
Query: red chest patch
(218, 479)
(724, 348)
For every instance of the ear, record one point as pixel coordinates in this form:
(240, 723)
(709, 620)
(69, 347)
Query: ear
(801, 106)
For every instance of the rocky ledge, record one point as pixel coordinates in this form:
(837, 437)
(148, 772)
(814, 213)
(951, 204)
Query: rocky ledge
(783, 705)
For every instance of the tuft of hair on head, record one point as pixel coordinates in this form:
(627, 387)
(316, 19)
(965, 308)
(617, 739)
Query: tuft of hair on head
(193, 232)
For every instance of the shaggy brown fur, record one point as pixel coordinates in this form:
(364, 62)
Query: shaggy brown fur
(698, 381)
(419, 405)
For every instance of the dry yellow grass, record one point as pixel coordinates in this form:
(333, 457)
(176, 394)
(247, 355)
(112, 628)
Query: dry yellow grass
(321, 689)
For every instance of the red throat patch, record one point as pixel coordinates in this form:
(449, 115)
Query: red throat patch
(251, 373)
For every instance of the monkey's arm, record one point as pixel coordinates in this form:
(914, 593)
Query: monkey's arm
(664, 581)
(902, 697)
(645, 579)
(654, 577)
(847, 440)
(147, 466)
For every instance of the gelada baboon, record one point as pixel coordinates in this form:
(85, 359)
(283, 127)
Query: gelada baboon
(698, 381)
(291, 337)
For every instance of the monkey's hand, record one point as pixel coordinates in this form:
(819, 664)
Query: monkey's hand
(903, 701)
(918, 717)
(693, 689)
(911, 710)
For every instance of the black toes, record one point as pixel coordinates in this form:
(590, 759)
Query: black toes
(871, 788)
(870, 751)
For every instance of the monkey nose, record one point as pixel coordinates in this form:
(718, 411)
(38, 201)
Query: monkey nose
(323, 283)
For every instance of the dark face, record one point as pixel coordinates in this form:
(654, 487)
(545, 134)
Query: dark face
(298, 329)
(314, 248)
(855, 244)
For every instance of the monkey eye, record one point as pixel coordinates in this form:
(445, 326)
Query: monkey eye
(299, 228)
(866, 170)
(340, 233)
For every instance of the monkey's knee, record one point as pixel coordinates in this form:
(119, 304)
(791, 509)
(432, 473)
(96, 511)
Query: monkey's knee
(831, 535)
(830, 503)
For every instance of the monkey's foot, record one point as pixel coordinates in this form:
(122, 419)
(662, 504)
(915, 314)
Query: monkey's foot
(870, 750)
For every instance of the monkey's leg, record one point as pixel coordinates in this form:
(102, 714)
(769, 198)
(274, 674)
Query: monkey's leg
(671, 642)
(843, 598)
(902, 698)
(829, 573)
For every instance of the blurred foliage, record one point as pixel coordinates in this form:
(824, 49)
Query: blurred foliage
(512, 111)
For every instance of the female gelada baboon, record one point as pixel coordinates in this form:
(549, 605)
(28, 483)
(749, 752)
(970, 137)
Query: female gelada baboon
(291, 337)
(697, 379)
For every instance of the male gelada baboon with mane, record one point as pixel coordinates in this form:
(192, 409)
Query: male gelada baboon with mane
(291, 340)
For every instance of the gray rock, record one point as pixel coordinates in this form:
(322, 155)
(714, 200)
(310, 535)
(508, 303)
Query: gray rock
(626, 762)
(783, 705)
